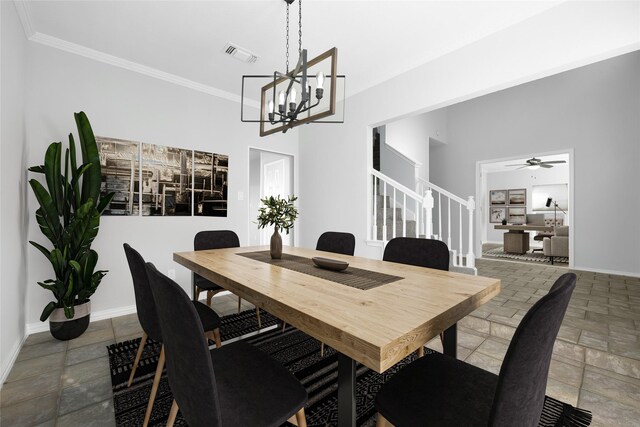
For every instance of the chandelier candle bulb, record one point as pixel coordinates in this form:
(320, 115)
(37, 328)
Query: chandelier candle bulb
(292, 99)
(319, 84)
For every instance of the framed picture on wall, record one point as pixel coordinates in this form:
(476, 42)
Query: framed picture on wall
(496, 215)
(517, 216)
(518, 197)
(498, 197)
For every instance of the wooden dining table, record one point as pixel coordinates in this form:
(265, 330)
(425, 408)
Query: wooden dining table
(375, 312)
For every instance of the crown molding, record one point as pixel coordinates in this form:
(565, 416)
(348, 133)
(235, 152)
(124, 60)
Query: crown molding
(116, 61)
(24, 13)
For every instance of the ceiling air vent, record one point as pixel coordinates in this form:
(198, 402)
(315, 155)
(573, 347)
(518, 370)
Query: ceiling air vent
(240, 53)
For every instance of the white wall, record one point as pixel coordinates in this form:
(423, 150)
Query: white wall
(522, 178)
(593, 110)
(410, 136)
(13, 185)
(128, 105)
(575, 33)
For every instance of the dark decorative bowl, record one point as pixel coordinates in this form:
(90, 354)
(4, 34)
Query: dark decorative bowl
(330, 264)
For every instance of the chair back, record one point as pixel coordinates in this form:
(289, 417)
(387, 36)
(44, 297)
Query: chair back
(336, 242)
(215, 239)
(522, 382)
(188, 361)
(428, 253)
(145, 306)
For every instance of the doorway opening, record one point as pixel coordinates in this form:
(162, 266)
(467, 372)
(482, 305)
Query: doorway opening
(270, 174)
(513, 192)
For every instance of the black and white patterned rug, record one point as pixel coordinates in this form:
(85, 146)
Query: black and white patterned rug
(301, 355)
(529, 256)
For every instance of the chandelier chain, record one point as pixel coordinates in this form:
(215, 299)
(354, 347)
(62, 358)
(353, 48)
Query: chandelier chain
(299, 27)
(287, 38)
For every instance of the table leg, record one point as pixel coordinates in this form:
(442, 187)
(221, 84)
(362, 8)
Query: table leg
(450, 344)
(346, 391)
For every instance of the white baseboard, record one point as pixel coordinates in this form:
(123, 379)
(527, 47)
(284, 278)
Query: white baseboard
(600, 270)
(14, 355)
(36, 327)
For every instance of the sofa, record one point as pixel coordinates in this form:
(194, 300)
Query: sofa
(558, 244)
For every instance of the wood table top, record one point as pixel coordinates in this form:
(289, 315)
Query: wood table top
(376, 327)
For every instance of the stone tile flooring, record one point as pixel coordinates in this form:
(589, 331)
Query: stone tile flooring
(596, 361)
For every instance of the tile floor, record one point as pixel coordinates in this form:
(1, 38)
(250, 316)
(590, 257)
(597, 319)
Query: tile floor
(596, 361)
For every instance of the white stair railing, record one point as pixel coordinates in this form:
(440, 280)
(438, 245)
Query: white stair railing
(458, 259)
(418, 213)
(404, 198)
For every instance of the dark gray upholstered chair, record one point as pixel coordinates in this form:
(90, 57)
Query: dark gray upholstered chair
(148, 317)
(337, 242)
(215, 239)
(444, 391)
(236, 385)
(429, 253)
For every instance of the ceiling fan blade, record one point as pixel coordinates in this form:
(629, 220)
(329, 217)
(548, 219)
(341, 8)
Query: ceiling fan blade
(544, 165)
(522, 167)
(555, 162)
(516, 165)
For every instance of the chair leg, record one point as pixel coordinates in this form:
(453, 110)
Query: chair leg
(143, 341)
(258, 316)
(239, 304)
(380, 421)
(216, 337)
(421, 351)
(301, 419)
(284, 325)
(154, 388)
(321, 349)
(209, 296)
(173, 413)
(198, 290)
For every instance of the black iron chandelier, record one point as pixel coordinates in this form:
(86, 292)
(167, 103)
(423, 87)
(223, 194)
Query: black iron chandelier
(287, 101)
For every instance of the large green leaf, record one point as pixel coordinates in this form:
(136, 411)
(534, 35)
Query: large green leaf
(75, 199)
(49, 221)
(47, 311)
(41, 248)
(58, 262)
(104, 202)
(37, 169)
(52, 173)
(92, 178)
(83, 228)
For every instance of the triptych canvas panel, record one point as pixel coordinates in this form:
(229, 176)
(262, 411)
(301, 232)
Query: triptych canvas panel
(156, 180)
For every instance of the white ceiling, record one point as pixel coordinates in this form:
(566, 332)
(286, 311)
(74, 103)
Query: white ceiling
(376, 40)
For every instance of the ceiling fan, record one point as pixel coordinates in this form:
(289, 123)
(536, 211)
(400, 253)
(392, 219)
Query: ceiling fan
(534, 163)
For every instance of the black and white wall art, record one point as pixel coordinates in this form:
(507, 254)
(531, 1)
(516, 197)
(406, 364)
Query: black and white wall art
(119, 161)
(210, 183)
(166, 180)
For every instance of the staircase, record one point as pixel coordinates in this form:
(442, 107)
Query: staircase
(395, 226)
(398, 211)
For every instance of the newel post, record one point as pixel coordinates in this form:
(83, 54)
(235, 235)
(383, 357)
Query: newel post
(471, 258)
(427, 203)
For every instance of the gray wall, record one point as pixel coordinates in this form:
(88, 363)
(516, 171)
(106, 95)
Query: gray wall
(127, 105)
(596, 111)
(13, 263)
(338, 200)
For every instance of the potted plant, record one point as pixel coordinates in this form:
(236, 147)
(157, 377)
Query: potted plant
(69, 217)
(280, 213)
